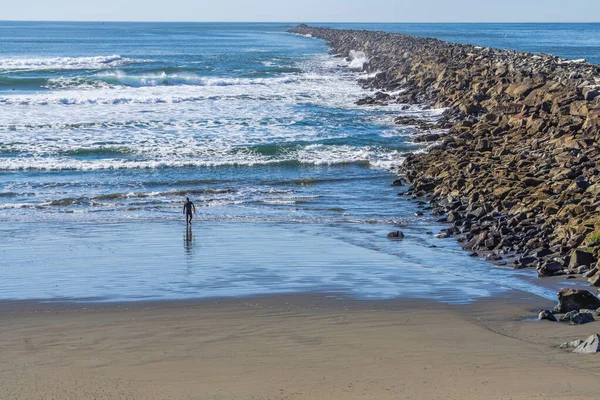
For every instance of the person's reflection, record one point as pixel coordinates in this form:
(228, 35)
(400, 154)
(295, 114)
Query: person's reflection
(189, 239)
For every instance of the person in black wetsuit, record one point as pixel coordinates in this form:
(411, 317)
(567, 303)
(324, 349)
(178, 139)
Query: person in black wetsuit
(188, 209)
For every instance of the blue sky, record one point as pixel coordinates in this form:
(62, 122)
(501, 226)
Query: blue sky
(305, 10)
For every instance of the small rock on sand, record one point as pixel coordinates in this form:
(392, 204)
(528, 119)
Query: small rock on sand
(578, 318)
(547, 315)
(571, 345)
(591, 345)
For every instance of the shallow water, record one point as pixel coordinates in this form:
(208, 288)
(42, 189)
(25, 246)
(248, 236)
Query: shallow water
(163, 261)
(106, 128)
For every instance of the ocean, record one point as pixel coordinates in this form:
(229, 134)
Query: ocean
(105, 128)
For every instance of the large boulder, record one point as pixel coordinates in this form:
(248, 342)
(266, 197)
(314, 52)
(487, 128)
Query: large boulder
(549, 268)
(575, 300)
(579, 258)
(590, 345)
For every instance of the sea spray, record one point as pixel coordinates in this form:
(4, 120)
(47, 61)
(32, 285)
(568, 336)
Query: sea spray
(357, 59)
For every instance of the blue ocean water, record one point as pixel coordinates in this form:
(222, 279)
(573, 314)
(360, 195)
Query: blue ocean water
(106, 127)
(567, 40)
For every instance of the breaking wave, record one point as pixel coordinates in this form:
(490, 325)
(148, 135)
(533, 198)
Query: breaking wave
(65, 63)
(120, 78)
(147, 90)
(315, 155)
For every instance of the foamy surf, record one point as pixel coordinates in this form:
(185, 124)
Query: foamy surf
(65, 63)
(357, 59)
(191, 118)
(211, 157)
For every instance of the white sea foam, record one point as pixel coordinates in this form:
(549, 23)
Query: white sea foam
(370, 75)
(77, 82)
(65, 63)
(302, 88)
(114, 79)
(196, 125)
(214, 156)
(158, 79)
(357, 59)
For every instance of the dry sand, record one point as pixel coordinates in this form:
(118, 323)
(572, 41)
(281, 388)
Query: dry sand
(291, 347)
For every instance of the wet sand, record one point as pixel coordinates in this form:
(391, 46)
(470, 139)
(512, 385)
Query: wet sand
(291, 347)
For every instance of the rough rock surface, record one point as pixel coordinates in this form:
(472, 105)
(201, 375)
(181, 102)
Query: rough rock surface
(575, 300)
(546, 314)
(571, 345)
(590, 345)
(577, 318)
(398, 235)
(518, 166)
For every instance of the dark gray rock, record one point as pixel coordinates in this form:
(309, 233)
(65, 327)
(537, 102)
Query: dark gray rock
(582, 318)
(398, 235)
(593, 312)
(580, 258)
(549, 268)
(577, 318)
(567, 317)
(427, 138)
(452, 217)
(547, 315)
(525, 262)
(575, 300)
(590, 94)
(541, 253)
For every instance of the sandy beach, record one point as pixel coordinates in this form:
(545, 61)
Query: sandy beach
(291, 347)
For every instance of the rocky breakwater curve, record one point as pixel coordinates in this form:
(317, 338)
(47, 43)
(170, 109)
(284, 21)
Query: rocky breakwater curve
(517, 171)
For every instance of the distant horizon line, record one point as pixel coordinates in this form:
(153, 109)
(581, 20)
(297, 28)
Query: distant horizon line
(305, 22)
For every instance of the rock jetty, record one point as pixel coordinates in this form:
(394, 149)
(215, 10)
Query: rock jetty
(516, 171)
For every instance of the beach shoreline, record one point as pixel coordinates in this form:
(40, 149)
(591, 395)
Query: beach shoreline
(292, 346)
(162, 260)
